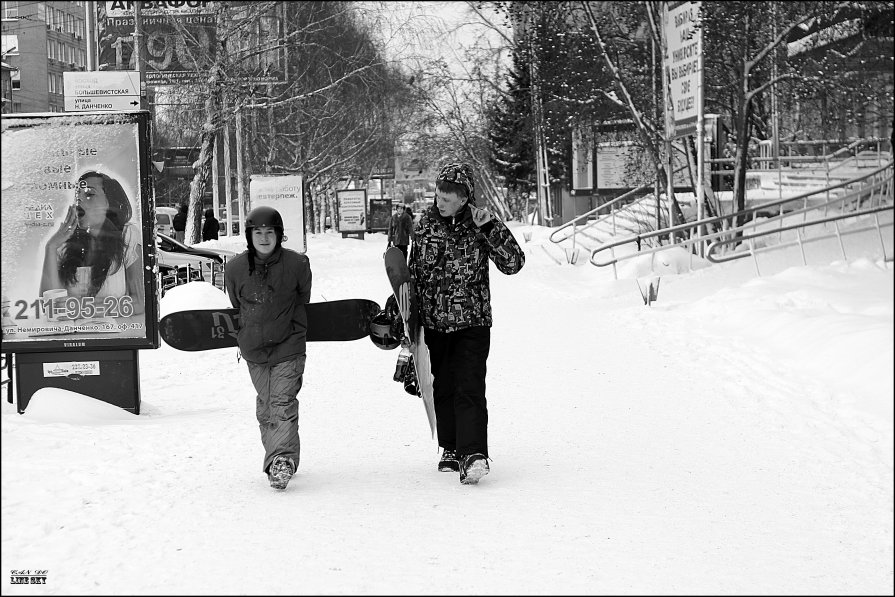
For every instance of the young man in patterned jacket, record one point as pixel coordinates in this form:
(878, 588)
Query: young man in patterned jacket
(452, 245)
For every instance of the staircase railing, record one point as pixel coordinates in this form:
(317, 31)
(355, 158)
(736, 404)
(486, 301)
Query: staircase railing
(615, 206)
(870, 194)
(575, 222)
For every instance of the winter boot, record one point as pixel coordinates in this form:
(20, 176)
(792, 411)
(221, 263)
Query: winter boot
(449, 461)
(472, 468)
(281, 471)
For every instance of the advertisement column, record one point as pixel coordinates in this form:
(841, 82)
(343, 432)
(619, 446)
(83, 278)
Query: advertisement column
(77, 242)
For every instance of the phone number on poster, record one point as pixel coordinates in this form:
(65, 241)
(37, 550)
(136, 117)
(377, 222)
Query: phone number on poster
(85, 307)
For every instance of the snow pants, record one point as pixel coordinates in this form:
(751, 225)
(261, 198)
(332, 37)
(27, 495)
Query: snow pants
(276, 407)
(459, 366)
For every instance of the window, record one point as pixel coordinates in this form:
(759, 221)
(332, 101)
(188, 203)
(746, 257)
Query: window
(10, 45)
(10, 10)
(16, 77)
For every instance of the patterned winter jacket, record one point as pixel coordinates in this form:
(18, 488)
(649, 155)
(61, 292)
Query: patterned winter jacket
(273, 322)
(449, 264)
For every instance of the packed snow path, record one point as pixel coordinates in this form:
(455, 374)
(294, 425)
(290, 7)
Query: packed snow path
(734, 437)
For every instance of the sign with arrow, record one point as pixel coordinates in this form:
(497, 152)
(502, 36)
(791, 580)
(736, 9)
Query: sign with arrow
(103, 91)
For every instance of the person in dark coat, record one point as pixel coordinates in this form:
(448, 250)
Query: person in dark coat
(211, 226)
(393, 225)
(449, 263)
(270, 285)
(179, 223)
(403, 230)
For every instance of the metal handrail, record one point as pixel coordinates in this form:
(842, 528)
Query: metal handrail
(885, 182)
(748, 238)
(608, 205)
(823, 160)
(586, 216)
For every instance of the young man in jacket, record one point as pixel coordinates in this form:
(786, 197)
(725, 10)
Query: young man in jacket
(452, 244)
(270, 285)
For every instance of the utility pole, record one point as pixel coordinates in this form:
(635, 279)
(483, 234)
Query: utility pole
(91, 35)
(138, 52)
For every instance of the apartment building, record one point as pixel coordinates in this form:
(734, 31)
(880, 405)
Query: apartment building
(41, 40)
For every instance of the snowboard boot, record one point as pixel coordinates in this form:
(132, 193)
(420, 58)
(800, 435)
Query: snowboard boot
(472, 468)
(281, 471)
(410, 384)
(449, 461)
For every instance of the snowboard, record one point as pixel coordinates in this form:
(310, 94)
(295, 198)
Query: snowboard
(207, 329)
(413, 340)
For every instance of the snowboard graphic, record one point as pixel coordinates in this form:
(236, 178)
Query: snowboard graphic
(206, 329)
(414, 339)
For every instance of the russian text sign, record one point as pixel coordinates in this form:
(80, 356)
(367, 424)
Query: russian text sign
(284, 194)
(77, 237)
(682, 65)
(352, 210)
(101, 91)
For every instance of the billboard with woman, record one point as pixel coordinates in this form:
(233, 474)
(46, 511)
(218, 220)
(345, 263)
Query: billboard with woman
(77, 244)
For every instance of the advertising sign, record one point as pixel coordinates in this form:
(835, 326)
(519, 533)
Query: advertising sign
(77, 237)
(682, 65)
(180, 39)
(623, 165)
(284, 194)
(380, 214)
(91, 91)
(352, 210)
(384, 171)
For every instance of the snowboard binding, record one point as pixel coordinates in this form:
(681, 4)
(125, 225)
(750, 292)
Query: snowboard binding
(405, 372)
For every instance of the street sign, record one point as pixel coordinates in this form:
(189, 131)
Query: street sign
(101, 91)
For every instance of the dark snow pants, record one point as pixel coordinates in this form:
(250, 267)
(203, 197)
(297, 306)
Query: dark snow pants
(459, 366)
(276, 407)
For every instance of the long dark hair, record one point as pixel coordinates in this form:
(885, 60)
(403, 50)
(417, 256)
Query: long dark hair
(108, 248)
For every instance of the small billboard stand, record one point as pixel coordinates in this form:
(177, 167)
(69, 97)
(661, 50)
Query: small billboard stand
(75, 319)
(352, 212)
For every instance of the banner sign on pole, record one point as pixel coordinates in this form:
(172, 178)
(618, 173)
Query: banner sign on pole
(352, 210)
(285, 194)
(180, 39)
(682, 65)
(77, 236)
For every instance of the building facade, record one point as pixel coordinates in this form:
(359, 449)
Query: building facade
(41, 40)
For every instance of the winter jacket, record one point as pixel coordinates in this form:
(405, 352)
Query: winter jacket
(211, 227)
(449, 264)
(179, 221)
(273, 322)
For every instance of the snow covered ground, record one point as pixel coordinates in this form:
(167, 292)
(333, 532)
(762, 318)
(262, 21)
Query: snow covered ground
(734, 437)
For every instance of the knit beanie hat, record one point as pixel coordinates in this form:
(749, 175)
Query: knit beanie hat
(459, 174)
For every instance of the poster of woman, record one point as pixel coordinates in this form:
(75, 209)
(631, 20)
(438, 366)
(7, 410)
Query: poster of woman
(76, 253)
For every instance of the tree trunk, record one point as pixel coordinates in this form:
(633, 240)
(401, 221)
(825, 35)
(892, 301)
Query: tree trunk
(742, 158)
(202, 165)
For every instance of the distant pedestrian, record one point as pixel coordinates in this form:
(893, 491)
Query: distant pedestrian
(211, 226)
(404, 230)
(179, 223)
(270, 285)
(393, 225)
(449, 261)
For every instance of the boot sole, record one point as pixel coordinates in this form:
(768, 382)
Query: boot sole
(474, 474)
(453, 467)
